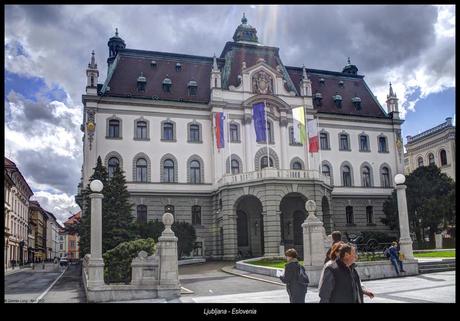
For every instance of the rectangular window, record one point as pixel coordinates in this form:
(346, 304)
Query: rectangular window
(324, 141)
(141, 132)
(168, 132)
(363, 144)
(194, 133)
(196, 215)
(114, 128)
(382, 145)
(349, 214)
(370, 215)
(344, 142)
(234, 137)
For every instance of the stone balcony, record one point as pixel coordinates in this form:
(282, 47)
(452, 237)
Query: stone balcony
(273, 173)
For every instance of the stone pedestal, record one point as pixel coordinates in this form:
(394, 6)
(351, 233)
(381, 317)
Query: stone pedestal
(438, 240)
(313, 238)
(405, 241)
(169, 268)
(96, 263)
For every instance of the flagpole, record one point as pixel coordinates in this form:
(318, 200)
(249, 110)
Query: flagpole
(266, 133)
(307, 140)
(319, 147)
(229, 141)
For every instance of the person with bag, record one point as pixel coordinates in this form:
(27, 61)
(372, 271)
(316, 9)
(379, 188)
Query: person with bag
(295, 278)
(395, 258)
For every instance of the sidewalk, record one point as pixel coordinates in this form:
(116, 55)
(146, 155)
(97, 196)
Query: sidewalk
(16, 270)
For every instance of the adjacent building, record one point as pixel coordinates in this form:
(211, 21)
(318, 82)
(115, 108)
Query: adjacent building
(154, 116)
(17, 195)
(38, 223)
(433, 146)
(52, 237)
(69, 241)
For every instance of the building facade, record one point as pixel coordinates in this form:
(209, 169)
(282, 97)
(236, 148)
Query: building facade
(52, 237)
(154, 116)
(433, 146)
(17, 193)
(70, 240)
(38, 222)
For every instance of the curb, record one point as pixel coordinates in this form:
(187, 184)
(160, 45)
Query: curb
(37, 300)
(224, 269)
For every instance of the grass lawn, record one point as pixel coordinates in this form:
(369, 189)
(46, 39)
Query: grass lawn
(279, 264)
(435, 254)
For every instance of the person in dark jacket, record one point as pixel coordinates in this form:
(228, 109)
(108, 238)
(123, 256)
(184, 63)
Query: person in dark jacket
(336, 237)
(341, 282)
(295, 289)
(394, 258)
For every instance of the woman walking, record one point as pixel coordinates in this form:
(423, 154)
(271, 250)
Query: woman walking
(296, 287)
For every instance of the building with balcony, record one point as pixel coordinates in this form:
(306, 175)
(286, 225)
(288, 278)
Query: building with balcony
(17, 195)
(433, 146)
(154, 116)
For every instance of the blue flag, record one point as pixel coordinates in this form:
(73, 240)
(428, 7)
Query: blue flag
(258, 116)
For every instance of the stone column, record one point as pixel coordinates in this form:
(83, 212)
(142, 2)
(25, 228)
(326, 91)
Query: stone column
(405, 242)
(248, 143)
(284, 142)
(169, 267)
(230, 236)
(313, 238)
(438, 240)
(96, 263)
(272, 229)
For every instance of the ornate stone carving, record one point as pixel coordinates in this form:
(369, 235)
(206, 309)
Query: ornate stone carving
(399, 144)
(262, 83)
(90, 126)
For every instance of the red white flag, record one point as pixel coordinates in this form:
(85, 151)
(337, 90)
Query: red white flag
(312, 136)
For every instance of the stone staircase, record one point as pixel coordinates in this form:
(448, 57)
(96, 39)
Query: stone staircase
(436, 266)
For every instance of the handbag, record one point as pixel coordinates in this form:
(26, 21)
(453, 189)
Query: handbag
(401, 256)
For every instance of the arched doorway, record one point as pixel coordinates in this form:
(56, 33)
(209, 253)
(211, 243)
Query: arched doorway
(293, 214)
(249, 227)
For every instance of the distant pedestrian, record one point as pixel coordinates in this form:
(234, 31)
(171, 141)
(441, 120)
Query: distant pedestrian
(295, 278)
(394, 258)
(341, 282)
(336, 237)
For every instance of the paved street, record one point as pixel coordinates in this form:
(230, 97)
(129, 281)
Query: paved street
(69, 288)
(26, 286)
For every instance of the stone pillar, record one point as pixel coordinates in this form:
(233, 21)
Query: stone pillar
(230, 236)
(284, 143)
(169, 267)
(405, 242)
(248, 143)
(438, 239)
(313, 238)
(96, 263)
(272, 229)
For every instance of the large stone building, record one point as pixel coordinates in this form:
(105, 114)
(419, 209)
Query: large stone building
(38, 224)
(154, 115)
(17, 195)
(52, 237)
(433, 146)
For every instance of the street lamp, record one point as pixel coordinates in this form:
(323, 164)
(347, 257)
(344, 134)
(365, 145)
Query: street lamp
(405, 242)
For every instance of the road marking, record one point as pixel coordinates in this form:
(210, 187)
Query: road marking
(185, 290)
(49, 288)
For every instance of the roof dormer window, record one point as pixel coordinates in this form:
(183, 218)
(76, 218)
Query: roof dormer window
(153, 64)
(178, 66)
(322, 81)
(141, 81)
(337, 100)
(341, 84)
(167, 83)
(356, 102)
(317, 99)
(192, 88)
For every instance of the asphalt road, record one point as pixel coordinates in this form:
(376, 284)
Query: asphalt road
(69, 288)
(26, 286)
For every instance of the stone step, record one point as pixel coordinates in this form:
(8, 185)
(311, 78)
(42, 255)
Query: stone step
(436, 265)
(434, 270)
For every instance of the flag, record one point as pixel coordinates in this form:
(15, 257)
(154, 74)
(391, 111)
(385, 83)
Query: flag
(220, 139)
(258, 115)
(298, 115)
(313, 136)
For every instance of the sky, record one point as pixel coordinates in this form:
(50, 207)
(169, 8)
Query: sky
(48, 47)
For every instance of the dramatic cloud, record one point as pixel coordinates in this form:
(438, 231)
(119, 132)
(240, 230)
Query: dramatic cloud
(412, 46)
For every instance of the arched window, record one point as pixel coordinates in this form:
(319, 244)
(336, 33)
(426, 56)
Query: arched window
(420, 161)
(349, 215)
(114, 128)
(195, 172)
(443, 156)
(196, 215)
(168, 131)
(430, 159)
(113, 163)
(235, 166)
(141, 170)
(344, 144)
(141, 130)
(385, 177)
(324, 141)
(326, 170)
(370, 215)
(234, 134)
(192, 88)
(194, 133)
(366, 174)
(168, 171)
(264, 163)
(346, 175)
(141, 214)
(296, 166)
(167, 83)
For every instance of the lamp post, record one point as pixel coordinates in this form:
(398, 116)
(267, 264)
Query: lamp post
(405, 242)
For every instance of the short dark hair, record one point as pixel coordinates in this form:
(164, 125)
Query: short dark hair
(291, 253)
(336, 236)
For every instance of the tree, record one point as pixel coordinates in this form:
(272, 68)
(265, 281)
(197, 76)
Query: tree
(83, 227)
(116, 215)
(430, 201)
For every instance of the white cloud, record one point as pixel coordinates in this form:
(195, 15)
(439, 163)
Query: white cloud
(61, 205)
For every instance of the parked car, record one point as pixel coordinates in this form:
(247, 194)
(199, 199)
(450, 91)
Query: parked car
(63, 261)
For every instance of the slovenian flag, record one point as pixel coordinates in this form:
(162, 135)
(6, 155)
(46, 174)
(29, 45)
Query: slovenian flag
(312, 136)
(298, 115)
(220, 140)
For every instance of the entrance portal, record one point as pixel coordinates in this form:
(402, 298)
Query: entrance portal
(293, 215)
(249, 227)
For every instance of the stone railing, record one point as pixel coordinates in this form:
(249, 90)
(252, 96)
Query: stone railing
(267, 173)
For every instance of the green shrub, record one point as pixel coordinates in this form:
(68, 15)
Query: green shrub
(118, 260)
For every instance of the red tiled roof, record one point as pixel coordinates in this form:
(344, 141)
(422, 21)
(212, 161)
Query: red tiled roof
(352, 86)
(73, 219)
(132, 62)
